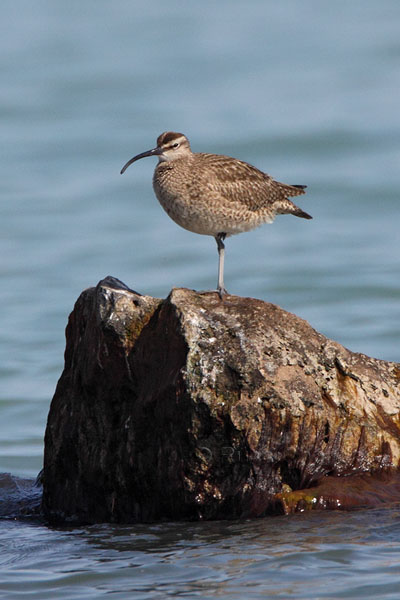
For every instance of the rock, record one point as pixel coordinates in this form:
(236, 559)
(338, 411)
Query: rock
(192, 407)
(367, 490)
(20, 497)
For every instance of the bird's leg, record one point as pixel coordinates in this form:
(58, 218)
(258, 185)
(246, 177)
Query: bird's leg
(219, 238)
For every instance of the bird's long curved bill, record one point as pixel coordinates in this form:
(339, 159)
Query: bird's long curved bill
(153, 152)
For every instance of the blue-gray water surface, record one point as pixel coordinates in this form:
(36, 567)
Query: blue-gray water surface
(306, 91)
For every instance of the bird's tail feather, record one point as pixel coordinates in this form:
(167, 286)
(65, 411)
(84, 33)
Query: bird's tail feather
(300, 213)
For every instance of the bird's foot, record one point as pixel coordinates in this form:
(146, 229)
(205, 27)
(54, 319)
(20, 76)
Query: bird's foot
(222, 292)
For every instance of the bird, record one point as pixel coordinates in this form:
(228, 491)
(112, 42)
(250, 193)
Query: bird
(214, 194)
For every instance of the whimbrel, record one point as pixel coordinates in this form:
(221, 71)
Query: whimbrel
(214, 194)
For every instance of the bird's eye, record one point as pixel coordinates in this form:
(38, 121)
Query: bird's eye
(176, 145)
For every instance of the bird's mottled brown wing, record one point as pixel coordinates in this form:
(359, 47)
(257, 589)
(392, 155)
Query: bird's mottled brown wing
(238, 181)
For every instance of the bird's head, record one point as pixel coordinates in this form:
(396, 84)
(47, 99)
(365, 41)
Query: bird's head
(170, 146)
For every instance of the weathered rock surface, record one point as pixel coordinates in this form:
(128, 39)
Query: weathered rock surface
(20, 498)
(193, 407)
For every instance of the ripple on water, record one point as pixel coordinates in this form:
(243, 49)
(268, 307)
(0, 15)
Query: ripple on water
(335, 555)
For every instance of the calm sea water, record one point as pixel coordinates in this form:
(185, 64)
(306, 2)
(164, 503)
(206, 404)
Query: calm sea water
(307, 91)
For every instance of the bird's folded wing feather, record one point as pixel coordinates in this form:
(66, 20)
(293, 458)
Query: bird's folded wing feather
(239, 182)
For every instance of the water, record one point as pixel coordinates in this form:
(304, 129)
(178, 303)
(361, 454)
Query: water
(310, 556)
(308, 92)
